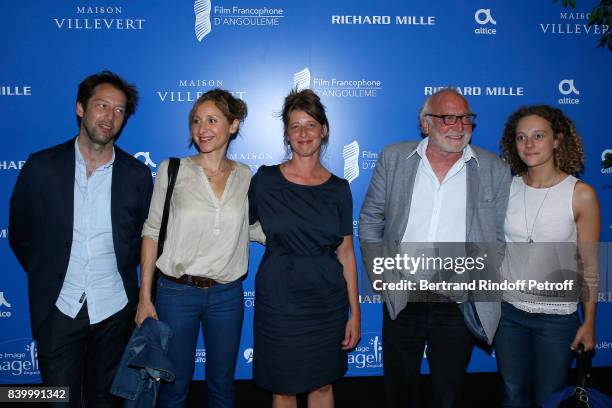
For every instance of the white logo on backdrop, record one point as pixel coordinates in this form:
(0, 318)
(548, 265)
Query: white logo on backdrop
(15, 91)
(487, 14)
(11, 164)
(99, 18)
(350, 153)
(573, 23)
(606, 162)
(200, 355)
(3, 301)
(301, 80)
(567, 87)
(249, 298)
(248, 355)
(337, 87)
(19, 358)
(368, 355)
(201, 9)
(147, 158)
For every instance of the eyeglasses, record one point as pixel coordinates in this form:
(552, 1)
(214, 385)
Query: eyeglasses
(450, 120)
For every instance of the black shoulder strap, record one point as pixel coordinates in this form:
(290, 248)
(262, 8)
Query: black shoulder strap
(173, 169)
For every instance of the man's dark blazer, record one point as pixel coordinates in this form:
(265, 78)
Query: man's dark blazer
(41, 222)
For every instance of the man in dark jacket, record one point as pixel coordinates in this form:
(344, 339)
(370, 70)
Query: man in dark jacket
(76, 215)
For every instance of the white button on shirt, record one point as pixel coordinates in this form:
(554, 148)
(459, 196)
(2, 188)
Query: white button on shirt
(438, 209)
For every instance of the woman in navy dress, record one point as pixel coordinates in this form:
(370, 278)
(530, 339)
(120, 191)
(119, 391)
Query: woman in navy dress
(307, 279)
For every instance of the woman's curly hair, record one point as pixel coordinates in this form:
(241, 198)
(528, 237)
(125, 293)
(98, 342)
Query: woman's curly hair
(568, 156)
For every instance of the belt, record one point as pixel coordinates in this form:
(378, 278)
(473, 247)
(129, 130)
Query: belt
(199, 282)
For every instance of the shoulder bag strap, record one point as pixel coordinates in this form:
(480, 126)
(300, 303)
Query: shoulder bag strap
(173, 168)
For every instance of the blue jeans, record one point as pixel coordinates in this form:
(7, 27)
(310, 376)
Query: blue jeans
(533, 354)
(220, 310)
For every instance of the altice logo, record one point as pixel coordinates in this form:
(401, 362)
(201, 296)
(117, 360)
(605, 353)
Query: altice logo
(147, 158)
(201, 8)
(248, 355)
(3, 301)
(478, 16)
(484, 17)
(301, 79)
(606, 161)
(350, 153)
(567, 88)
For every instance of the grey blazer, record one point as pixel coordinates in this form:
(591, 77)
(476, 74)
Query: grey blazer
(386, 207)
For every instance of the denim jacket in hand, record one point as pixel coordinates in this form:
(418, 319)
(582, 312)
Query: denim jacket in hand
(143, 364)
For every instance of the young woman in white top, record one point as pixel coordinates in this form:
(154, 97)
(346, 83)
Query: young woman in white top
(549, 210)
(205, 253)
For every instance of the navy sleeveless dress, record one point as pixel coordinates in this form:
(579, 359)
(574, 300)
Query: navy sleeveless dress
(301, 304)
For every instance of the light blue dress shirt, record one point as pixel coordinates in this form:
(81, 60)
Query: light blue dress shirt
(92, 273)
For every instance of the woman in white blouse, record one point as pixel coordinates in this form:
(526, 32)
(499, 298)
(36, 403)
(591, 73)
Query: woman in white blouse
(551, 222)
(205, 253)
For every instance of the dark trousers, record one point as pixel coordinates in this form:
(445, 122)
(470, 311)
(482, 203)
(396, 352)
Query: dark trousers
(84, 357)
(449, 348)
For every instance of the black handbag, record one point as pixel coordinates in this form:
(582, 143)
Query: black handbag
(580, 398)
(173, 168)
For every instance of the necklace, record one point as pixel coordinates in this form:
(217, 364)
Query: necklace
(530, 234)
(210, 174)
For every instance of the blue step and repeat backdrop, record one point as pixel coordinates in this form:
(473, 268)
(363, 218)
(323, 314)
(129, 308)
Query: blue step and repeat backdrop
(372, 62)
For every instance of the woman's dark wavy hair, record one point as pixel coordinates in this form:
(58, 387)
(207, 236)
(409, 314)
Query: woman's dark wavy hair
(231, 107)
(568, 156)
